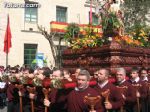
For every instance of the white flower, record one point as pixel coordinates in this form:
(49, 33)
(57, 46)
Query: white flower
(110, 39)
(103, 40)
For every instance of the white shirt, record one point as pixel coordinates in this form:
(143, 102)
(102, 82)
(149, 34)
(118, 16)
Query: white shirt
(2, 85)
(103, 84)
(137, 79)
(145, 79)
(122, 81)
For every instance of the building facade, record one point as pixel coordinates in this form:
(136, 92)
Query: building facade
(24, 16)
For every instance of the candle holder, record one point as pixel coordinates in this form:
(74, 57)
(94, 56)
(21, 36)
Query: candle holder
(137, 88)
(46, 92)
(32, 91)
(122, 90)
(105, 94)
(92, 101)
(20, 87)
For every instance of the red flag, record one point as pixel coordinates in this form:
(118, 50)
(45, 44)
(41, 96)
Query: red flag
(91, 12)
(7, 40)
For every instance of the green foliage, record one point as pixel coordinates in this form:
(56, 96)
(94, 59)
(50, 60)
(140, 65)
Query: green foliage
(135, 11)
(72, 31)
(110, 22)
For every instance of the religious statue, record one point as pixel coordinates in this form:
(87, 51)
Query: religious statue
(108, 9)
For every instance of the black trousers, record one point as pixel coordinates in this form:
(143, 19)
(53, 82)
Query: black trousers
(13, 106)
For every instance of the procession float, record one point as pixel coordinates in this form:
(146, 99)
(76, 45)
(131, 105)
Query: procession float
(106, 45)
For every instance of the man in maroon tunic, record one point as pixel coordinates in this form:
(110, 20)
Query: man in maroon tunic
(127, 90)
(76, 97)
(141, 90)
(57, 101)
(112, 101)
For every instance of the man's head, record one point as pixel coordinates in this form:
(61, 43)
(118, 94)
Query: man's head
(103, 75)
(148, 72)
(57, 74)
(134, 73)
(95, 74)
(120, 74)
(83, 79)
(77, 71)
(143, 72)
(67, 73)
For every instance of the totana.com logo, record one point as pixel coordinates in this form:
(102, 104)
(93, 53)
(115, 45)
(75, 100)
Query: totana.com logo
(21, 5)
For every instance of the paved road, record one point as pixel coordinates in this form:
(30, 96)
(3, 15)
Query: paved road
(3, 109)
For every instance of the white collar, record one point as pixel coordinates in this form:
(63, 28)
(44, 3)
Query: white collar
(77, 89)
(145, 79)
(137, 79)
(102, 84)
(122, 81)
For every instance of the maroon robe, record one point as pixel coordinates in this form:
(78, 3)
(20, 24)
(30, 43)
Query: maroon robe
(76, 101)
(39, 99)
(13, 98)
(58, 99)
(142, 89)
(12, 93)
(143, 95)
(115, 97)
(130, 94)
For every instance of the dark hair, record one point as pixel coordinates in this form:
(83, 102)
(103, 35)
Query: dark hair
(16, 70)
(31, 70)
(135, 69)
(67, 71)
(47, 72)
(142, 69)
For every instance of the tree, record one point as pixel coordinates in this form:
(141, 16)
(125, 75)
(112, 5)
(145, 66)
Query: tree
(55, 51)
(135, 12)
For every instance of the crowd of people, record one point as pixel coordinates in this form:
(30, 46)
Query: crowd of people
(97, 92)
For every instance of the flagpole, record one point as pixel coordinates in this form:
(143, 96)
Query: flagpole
(7, 43)
(91, 2)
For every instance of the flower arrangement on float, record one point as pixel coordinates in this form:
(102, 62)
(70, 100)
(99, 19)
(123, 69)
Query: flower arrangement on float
(88, 39)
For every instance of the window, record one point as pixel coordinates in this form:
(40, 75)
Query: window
(30, 51)
(31, 14)
(94, 19)
(61, 14)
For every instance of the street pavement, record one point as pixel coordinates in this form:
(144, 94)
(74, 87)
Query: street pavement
(4, 109)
